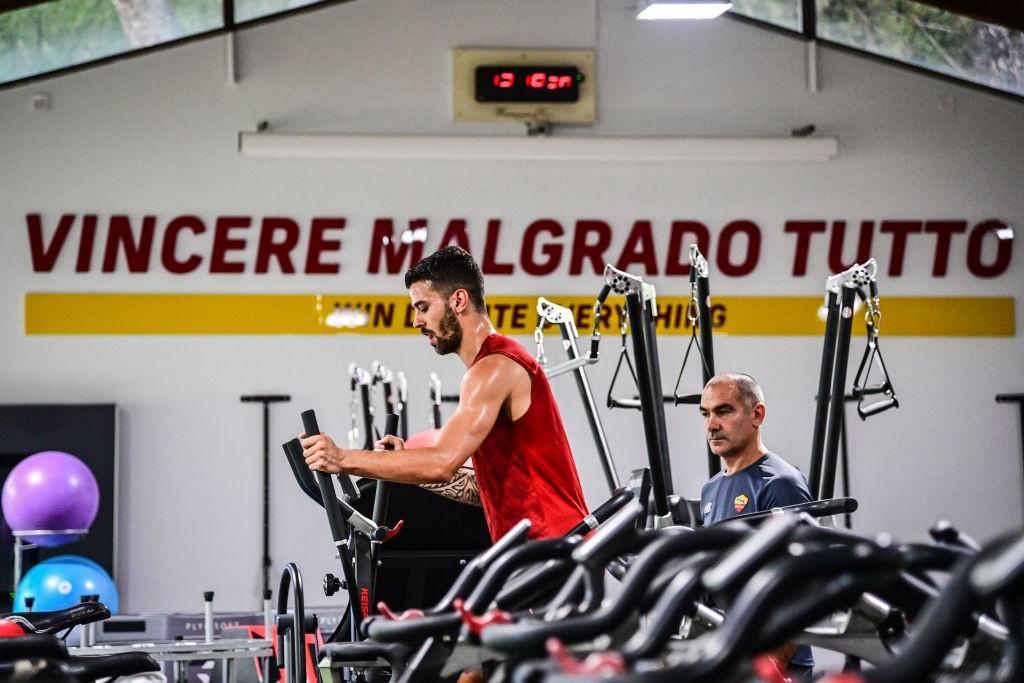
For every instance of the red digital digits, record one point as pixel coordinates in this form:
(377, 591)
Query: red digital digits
(505, 79)
(546, 81)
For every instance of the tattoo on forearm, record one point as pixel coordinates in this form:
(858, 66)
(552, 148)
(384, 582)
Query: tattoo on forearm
(462, 488)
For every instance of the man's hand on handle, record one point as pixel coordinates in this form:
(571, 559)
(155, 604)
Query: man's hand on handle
(389, 442)
(322, 454)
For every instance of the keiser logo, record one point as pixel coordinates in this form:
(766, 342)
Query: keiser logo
(246, 244)
(364, 601)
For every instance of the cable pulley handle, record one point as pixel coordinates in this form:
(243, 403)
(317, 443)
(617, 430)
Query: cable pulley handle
(687, 399)
(631, 403)
(860, 392)
(860, 389)
(866, 411)
(611, 401)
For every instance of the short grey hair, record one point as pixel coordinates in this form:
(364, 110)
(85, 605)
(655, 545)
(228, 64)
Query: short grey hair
(748, 388)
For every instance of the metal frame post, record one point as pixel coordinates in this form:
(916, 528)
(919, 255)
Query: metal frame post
(707, 347)
(828, 357)
(659, 476)
(266, 400)
(837, 401)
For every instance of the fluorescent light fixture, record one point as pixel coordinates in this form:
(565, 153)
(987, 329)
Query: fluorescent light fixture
(681, 9)
(548, 149)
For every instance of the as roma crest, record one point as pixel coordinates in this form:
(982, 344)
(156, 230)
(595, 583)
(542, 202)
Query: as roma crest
(740, 502)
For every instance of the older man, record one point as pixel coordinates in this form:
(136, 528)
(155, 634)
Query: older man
(753, 478)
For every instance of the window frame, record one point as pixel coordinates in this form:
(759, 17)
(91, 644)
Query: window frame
(808, 32)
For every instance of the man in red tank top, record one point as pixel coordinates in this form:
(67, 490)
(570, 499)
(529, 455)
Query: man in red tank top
(507, 418)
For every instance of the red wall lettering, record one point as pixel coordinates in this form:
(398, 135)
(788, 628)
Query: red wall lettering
(85, 244)
(280, 250)
(399, 254)
(45, 257)
(455, 233)
(639, 248)
(803, 230)
(136, 254)
(835, 248)
(725, 262)
(678, 260)
(168, 251)
(899, 230)
(944, 231)
(223, 243)
(553, 251)
(490, 265)
(1004, 249)
(319, 243)
(583, 248)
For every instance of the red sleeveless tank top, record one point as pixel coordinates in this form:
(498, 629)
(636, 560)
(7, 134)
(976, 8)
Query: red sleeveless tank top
(524, 468)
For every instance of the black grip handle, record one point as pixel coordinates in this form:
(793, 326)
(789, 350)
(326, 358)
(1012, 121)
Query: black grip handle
(595, 344)
(309, 424)
(814, 508)
(878, 407)
(624, 403)
(858, 392)
(749, 553)
(323, 481)
(390, 427)
(944, 532)
(619, 499)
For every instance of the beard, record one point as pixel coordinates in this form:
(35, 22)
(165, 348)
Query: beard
(449, 334)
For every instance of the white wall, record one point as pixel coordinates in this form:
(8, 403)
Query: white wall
(157, 135)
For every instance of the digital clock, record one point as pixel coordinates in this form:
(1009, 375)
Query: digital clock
(519, 83)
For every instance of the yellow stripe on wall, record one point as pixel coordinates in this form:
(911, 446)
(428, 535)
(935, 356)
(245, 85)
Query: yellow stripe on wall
(199, 314)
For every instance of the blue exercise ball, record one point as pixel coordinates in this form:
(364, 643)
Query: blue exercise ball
(59, 585)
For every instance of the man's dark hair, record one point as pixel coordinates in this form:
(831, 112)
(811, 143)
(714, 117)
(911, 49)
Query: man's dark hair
(447, 270)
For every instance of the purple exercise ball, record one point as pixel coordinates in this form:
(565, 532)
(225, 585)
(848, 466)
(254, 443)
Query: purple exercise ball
(50, 491)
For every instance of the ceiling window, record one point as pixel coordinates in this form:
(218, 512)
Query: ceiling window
(55, 35)
(254, 9)
(927, 37)
(784, 13)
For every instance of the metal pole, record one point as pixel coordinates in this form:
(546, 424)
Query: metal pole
(838, 393)
(828, 357)
(1019, 400)
(266, 400)
(656, 397)
(844, 460)
(707, 348)
(596, 428)
(659, 489)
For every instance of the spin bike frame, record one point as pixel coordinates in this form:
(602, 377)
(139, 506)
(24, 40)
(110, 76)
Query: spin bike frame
(554, 314)
(355, 536)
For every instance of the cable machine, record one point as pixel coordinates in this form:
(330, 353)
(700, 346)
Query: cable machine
(551, 313)
(641, 311)
(841, 291)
